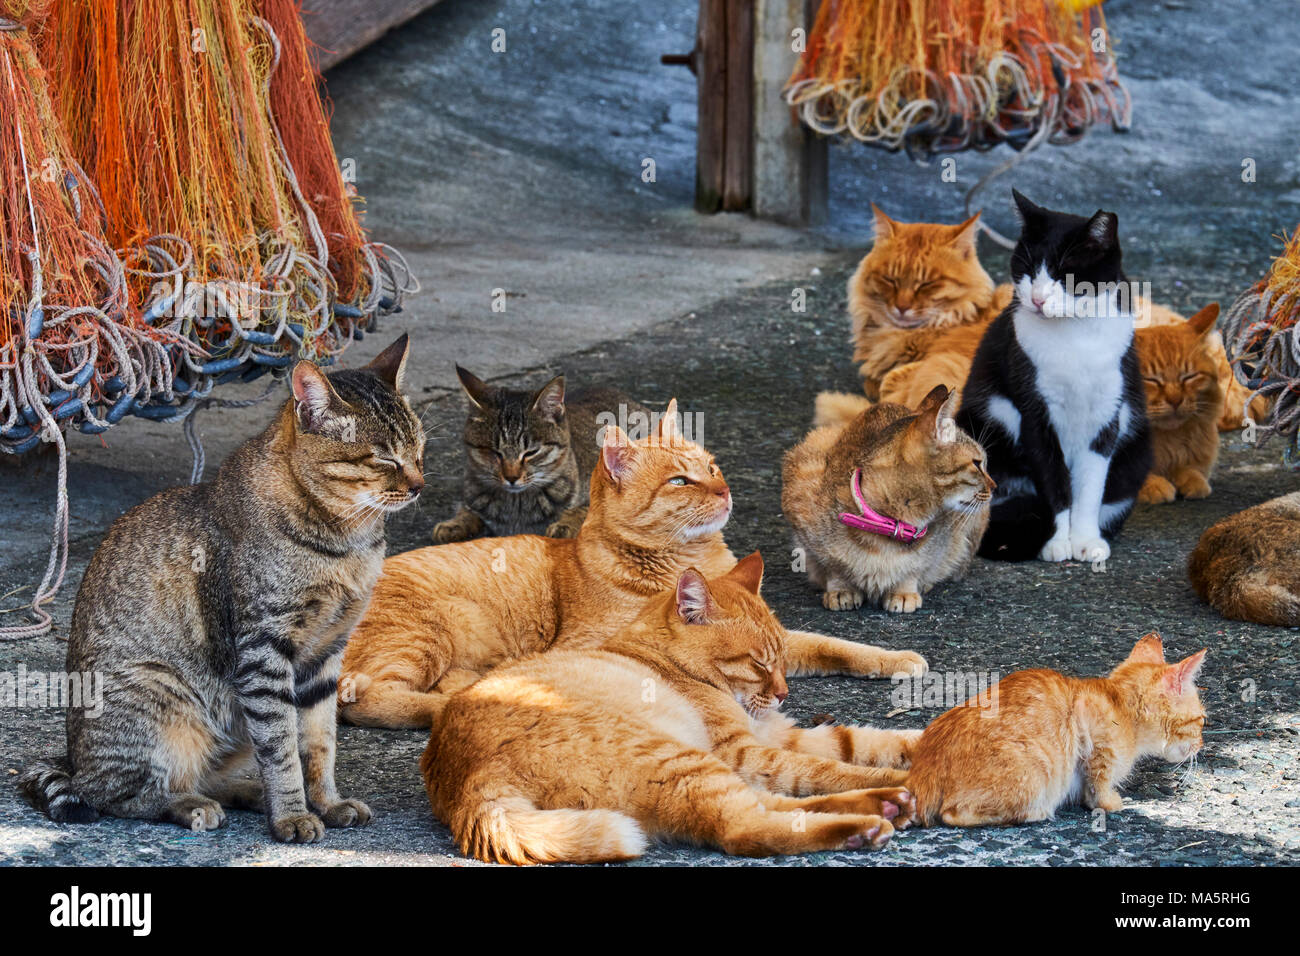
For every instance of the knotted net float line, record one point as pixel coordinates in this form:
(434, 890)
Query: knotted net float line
(1260, 335)
(939, 76)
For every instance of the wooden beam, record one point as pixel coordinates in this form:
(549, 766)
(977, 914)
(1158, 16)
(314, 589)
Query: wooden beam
(790, 183)
(738, 165)
(342, 27)
(711, 107)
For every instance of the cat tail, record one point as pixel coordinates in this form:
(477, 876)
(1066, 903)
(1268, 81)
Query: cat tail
(1257, 597)
(838, 408)
(512, 830)
(50, 788)
(1017, 530)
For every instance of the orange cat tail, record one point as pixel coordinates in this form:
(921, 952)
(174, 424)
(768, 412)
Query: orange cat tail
(838, 408)
(513, 830)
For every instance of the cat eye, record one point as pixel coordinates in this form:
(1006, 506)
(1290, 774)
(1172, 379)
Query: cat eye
(388, 463)
(531, 453)
(678, 480)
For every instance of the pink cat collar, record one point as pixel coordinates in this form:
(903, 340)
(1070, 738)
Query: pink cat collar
(874, 521)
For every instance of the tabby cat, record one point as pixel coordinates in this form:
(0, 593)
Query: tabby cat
(1245, 566)
(917, 280)
(887, 505)
(217, 614)
(445, 615)
(1184, 402)
(1050, 740)
(666, 729)
(527, 457)
(1055, 395)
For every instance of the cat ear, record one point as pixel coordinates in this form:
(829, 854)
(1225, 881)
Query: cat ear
(884, 226)
(668, 423)
(1030, 214)
(549, 400)
(617, 453)
(964, 235)
(390, 364)
(1103, 229)
(1203, 321)
(1149, 650)
(475, 387)
(1179, 678)
(748, 572)
(694, 602)
(312, 394)
(934, 417)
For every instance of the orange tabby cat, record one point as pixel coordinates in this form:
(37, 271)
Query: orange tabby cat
(662, 730)
(1048, 740)
(916, 469)
(918, 279)
(1245, 565)
(1184, 403)
(443, 616)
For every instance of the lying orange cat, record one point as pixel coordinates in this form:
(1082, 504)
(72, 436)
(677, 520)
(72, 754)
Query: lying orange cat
(443, 616)
(920, 302)
(1043, 740)
(666, 729)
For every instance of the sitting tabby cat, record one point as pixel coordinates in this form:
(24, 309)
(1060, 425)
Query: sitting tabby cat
(887, 505)
(527, 458)
(443, 616)
(1051, 740)
(668, 728)
(1245, 566)
(218, 614)
(1184, 403)
(1055, 395)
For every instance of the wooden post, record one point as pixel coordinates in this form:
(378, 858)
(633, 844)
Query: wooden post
(789, 166)
(723, 63)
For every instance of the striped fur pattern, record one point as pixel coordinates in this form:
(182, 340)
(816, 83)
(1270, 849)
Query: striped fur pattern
(1245, 565)
(218, 614)
(445, 615)
(527, 457)
(667, 730)
(1042, 740)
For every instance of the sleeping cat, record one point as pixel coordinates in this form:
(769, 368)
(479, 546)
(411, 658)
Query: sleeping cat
(1055, 394)
(664, 729)
(1184, 402)
(218, 613)
(1245, 566)
(527, 457)
(443, 616)
(1055, 740)
(887, 505)
(917, 280)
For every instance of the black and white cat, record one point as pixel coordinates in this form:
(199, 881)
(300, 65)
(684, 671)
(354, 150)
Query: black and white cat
(1055, 395)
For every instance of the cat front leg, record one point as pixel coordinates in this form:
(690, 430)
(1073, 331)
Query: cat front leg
(568, 523)
(463, 526)
(1157, 490)
(904, 599)
(1087, 485)
(264, 689)
(1191, 483)
(855, 744)
(317, 739)
(809, 654)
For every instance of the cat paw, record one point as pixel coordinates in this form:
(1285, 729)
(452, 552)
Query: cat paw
(298, 828)
(561, 530)
(446, 532)
(1110, 802)
(347, 813)
(875, 835)
(1157, 490)
(841, 600)
(902, 602)
(904, 662)
(1194, 485)
(1089, 549)
(200, 814)
(1057, 549)
(895, 804)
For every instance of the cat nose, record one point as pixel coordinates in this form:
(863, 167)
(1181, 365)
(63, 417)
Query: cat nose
(415, 486)
(1038, 298)
(781, 695)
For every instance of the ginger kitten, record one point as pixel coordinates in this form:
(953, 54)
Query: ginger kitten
(1179, 368)
(917, 280)
(662, 730)
(888, 505)
(1050, 740)
(1245, 566)
(443, 616)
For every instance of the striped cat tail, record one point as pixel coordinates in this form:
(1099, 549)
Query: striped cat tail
(513, 830)
(51, 789)
(838, 408)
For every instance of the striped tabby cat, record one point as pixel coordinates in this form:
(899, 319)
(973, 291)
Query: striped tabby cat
(218, 613)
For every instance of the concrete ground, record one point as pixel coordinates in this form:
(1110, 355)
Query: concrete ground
(522, 171)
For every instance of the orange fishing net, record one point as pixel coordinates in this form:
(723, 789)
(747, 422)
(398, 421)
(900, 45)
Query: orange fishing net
(934, 76)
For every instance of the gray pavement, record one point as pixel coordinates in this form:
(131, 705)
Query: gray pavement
(521, 171)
